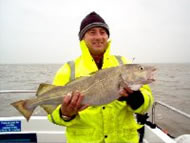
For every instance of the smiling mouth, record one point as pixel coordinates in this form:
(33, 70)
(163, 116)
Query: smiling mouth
(98, 44)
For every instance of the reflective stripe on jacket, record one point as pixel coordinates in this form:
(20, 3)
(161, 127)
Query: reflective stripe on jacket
(110, 123)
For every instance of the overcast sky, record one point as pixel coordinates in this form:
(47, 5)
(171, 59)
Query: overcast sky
(46, 31)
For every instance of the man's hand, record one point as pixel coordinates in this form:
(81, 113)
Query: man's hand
(71, 104)
(125, 91)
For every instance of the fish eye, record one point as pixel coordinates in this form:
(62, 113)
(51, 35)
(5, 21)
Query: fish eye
(141, 68)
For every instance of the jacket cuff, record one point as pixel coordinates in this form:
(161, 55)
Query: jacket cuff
(134, 100)
(57, 119)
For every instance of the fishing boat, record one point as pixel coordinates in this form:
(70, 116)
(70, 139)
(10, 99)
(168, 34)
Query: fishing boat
(16, 129)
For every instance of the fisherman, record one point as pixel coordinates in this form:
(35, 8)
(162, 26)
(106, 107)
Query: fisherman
(111, 123)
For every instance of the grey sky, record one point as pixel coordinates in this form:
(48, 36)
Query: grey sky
(46, 31)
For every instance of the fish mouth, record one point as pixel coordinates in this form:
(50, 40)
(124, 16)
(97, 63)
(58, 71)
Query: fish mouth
(150, 80)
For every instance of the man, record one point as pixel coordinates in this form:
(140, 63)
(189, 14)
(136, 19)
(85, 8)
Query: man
(110, 123)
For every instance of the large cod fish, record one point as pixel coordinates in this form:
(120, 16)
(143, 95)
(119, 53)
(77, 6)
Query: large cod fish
(100, 88)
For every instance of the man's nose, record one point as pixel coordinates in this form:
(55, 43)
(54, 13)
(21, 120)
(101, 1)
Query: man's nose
(98, 35)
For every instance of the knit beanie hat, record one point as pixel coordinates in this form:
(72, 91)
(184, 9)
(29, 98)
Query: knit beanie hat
(90, 21)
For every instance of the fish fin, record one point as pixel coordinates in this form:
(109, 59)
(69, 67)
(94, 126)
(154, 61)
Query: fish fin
(122, 83)
(44, 87)
(92, 73)
(19, 105)
(78, 79)
(49, 108)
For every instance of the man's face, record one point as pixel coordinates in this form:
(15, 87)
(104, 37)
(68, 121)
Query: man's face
(96, 40)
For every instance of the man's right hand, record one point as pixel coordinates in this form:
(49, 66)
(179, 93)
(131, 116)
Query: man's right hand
(71, 104)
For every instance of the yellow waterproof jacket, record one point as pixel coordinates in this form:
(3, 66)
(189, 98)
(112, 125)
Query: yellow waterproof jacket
(111, 123)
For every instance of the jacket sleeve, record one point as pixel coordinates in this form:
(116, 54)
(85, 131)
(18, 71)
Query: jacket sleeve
(140, 101)
(62, 77)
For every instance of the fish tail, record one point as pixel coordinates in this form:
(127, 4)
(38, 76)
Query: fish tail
(20, 106)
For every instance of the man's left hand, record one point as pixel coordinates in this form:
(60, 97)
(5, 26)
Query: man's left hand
(125, 91)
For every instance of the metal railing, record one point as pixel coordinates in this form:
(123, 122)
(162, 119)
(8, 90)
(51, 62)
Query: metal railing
(17, 91)
(168, 107)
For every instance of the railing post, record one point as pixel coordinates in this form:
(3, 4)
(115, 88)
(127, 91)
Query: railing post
(153, 112)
